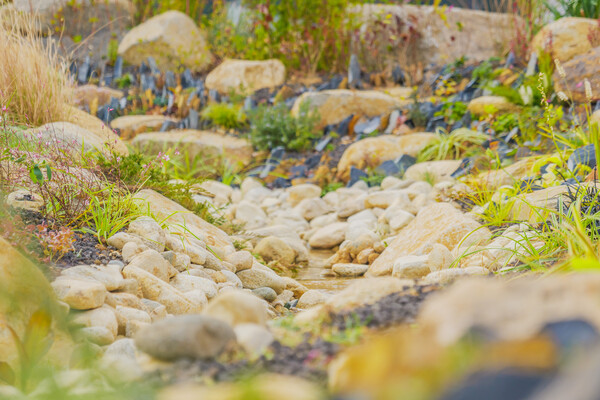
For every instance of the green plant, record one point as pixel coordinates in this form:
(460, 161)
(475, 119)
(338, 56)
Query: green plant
(452, 111)
(228, 116)
(274, 126)
(574, 8)
(453, 145)
(331, 187)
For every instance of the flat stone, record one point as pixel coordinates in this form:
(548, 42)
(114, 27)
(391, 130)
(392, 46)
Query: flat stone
(246, 76)
(80, 294)
(350, 270)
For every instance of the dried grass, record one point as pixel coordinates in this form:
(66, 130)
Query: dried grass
(34, 85)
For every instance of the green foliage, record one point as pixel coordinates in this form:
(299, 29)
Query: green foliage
(452, 111)
(228, 116)
(331, 187)
(373, 178)
(505, 123)
(485, 72)
(275, 126)
(451, 146)
(574, 8)
(112, 50)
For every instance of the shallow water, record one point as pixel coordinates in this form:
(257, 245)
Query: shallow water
(316, 276)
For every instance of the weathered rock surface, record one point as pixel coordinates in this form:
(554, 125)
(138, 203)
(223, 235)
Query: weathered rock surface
(566, 37)
(246, 76)
(578, 69)
(237, 307)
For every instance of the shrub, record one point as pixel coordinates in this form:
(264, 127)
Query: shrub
(33, 83)
(274, 126)
(453, 145)
(228, 116)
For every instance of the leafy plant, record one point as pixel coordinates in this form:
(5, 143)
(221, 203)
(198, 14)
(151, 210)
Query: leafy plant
(452, 111)
(451, 146)
(228, 116)
(274, 126)
(574, 8)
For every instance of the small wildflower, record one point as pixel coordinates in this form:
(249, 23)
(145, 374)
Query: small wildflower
(559, 68)
(588, 89)
(562, 96)
(579, 85)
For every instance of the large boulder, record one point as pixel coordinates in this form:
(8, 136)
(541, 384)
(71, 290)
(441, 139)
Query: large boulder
(567, 37)
(484, 105)
(577, 70)
(171, 38)
(209, 145)
(101, 133)
(371, 152)
(437, 223)
(477, 35)
(335, 105)
(129, 126)
(246, 76)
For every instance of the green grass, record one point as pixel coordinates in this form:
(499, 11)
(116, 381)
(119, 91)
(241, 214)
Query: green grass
(451, 146)
(228, 116)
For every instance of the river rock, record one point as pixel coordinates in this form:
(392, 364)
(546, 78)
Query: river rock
(68, 132)
(436, 223)
(171, 38)
(154, 263)
(209, 145)
(241, 260)
(253, 338)
(365, 291)
(329, 236)
(149, 229)
(80, 294)
(350, 270)
(254, 278)
(312, 298)
(265, 293)
(371, 152)
(185, 336)
(297, 193)
(411, 267)
(103, 317)
(238, 307)
(566, 37)
(186, 282)
(336, 105)
(312, 208)
(246, 76)
(432, 171)
(109, 276)
(275, 249)
(484, 105)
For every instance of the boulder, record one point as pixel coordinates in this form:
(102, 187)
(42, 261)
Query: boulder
(238, 307)
(477, 35)
(275, 249)
(245, 76)
(491, 105)
(577, 70)
(185, 336)
(255, 278)
(80, 294)
(297, 193)
(437, 223)
(129, 126)
(566, 37)
(152, 262)
(312, 298)
(371, 152)
(335, 105)
(87, 94)
(253, 338)
(71, 135)
(109, 275)
(365, 291)
(102, 318)
(171, 38)
(101, 133)
(432, 171)
(209, 146)
(329, 236)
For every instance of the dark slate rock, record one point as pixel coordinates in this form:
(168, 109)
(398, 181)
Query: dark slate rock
(355, 175)
(465, 167)
(147, 81)
(214, 95)
(398, 76)
(498, 385)
(299, 171)
(168, 125)
(354, 73)
(333, 83)
(322, 143)
(312, 161)
(510, 60)
(170, 79)
(153, 66)
(396, 167)
(532, 66)
(427, 109)
(73, 69)
(187, 80)
(572, 333)
(193, 118)
(436, 122)
(118, 68)
(368, 127)
(84, 71)
(585, 155)
(464, 122)
(281, 183)
(144, 68)
(343, 127)
(273, 161)
(170, 102)
(514, 132)
(249, 104)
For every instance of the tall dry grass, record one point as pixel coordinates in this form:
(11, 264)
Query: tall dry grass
(34, 85)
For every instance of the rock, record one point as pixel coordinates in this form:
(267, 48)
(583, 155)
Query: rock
(101, 133)
(399, 220)
(274, 249)
(180, 261)
(119, 360)
(265, 293)
(566, 37)
(124, 299)
(350, 270)
(246, 76)
(253, 338)
(538, 205)
(171, 38)
(437, 223)
(103, 317)
(186, 282)
(447, 276)
(386, 198)
(149, 229)
(183, 222)
(312, 208)
(254, 278)
(251, 215)
(25, 200)
(312, 298)
(336, 105)
(364, 291)
(109, 276)
(577, 70)
(120, 239)
(241, 260)
(371, 152)
(485, 105)
(209, 145)
(158, 290)
(411, 267)
(126, 315)
(80, 294)
(76, 136)
(585, 155)
(432, 171)
(129, 126)
(303, 191)
(237, 307)
(185, 336)
(98, 335)
(86, 94)
(329, 236)
(156, 310)
(486, 34)
(439, 257)
(152, 262)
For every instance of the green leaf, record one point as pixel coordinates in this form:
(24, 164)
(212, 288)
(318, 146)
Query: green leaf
(38, 337)
(35, 173)
(48, 172)
(585, 264)
(7, 375)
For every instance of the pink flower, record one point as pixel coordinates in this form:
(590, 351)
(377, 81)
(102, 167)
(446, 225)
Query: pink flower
(579, 85)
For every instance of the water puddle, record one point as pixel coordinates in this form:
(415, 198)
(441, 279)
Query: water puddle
(316, 276)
